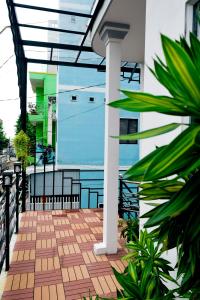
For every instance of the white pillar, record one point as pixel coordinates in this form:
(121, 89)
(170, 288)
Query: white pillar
(112, 34)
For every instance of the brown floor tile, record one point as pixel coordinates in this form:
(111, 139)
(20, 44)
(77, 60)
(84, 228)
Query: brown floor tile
(24, 245)
(100, 268)
(53, 258)
(71, 260)
(79, 289)
(22, 267)
(48, 278)
(26, 294)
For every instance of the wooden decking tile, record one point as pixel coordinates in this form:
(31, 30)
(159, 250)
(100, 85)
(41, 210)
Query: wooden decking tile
(25, 245)
(53, 292)
(46, 264)
(48, 278)
(46, 252)
(71, 260)
(100, 268)
(25, 294)
(22, 267)
(53, 258)
(9, 281)
(78, 289)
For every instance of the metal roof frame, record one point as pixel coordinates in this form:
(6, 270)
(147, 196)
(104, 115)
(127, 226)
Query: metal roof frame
(22, 60)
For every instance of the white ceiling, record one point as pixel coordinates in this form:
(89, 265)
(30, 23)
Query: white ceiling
(130, 12)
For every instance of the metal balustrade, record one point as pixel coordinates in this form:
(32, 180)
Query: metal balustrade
(10, 203)
(51, 189)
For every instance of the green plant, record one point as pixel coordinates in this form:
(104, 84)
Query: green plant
(121, 222)
(92, 298)
(177, 218)
(131, 230)
(30, 130)
(147, 271)
(21, 143)
(3, 139)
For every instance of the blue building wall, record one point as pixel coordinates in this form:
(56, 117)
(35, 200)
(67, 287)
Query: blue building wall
(80, 124)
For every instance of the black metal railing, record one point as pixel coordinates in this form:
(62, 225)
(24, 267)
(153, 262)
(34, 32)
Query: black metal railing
(9, 218)
(128, 199)
(74, 189)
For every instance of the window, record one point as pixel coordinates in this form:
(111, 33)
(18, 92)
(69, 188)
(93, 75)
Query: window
(128, 126)
(91, 99)
(73, 19)
(74, 98)
(195, 25)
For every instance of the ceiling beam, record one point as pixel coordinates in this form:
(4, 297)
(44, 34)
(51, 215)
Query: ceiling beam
(51, 29)
(56, 46)
(96, 11)
(51, 10)
(101, 68)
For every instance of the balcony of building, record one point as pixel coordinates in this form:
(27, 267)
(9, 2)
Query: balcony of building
(53, 257)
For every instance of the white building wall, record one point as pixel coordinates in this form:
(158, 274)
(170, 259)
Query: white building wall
(166, 17)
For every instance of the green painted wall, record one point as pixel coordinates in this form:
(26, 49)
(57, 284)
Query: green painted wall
(44, 85)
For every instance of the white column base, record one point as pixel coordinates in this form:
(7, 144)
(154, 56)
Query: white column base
(100, 249)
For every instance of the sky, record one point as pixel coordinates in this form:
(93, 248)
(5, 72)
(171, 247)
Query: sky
(10, 110)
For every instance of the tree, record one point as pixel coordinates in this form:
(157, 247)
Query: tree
(3, 138)
(21, 143)
(30, 130)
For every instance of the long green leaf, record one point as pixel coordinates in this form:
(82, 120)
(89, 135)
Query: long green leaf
(175, 155)
(182, 69)
(178, 204)
(137, 171)
(167, 183)
(143, 102)
(150, 133)
(130, 288)
(192, 227)
(153, 191)
(133, 272)
(195, 49)
(165, 78)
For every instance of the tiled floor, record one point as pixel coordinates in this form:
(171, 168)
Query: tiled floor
(53, 258)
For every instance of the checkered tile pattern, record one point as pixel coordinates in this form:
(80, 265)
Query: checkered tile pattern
(53, 258)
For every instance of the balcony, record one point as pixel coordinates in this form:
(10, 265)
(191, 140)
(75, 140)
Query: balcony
(53, 254)
(53, 257)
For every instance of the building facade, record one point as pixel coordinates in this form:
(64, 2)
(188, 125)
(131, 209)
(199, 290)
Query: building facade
(43, 114)
(145, 20)
(81, 103)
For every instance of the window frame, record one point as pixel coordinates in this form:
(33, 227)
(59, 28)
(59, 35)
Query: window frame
(74, 100)
(91, 101)
(127, 142)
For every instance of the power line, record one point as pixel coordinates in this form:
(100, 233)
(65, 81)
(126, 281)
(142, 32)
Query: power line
(61, 92)
(39, 51)
(7, 60)
(81, 113)
(76, 115)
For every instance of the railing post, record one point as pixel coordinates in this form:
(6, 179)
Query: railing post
(7, 183)
(17, 203)
(120, 205)
(17, 171)
(44, 179)
(53, 181)
(23, 191)
(7, 248)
